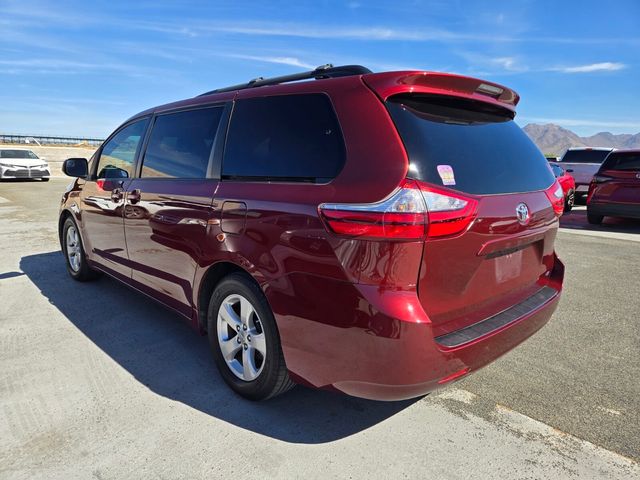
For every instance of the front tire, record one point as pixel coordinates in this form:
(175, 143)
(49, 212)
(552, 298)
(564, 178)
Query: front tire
(45, 179)
(244, 339)
(73, 250)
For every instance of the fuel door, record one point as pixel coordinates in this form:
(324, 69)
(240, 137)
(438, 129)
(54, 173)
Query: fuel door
(234, 217)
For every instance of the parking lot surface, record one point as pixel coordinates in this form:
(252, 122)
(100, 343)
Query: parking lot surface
(98, 382)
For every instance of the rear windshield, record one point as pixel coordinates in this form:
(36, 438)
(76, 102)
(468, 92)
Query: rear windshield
(17, 154)
(557, 171)
(622, 161)
(468, 146)
(585, 156)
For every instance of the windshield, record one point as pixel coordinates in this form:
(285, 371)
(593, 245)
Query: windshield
(585, 156)
(468, 146)
(17, 154)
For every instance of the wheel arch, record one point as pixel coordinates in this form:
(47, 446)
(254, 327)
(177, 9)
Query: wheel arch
(210, 279)
(64, 214)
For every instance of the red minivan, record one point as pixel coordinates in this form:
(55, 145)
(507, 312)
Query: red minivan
(615, 189)
(378, 234)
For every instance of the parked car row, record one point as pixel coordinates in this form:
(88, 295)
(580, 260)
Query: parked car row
(609, 178)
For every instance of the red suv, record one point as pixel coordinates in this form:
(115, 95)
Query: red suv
(615, 189)
(379, 234)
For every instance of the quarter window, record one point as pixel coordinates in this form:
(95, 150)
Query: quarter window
(119, 153)
(180, 144)
(284, 138)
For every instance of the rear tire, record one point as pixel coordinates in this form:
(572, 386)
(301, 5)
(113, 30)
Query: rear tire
(73, 250)
(569, 202)
(594, 219)
(241, 323)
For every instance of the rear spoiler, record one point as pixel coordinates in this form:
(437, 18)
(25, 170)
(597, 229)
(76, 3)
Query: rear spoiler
(388, 84)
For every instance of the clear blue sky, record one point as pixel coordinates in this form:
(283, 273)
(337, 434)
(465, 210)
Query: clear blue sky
(82, 67)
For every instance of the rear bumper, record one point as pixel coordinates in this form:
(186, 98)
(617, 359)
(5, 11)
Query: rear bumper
(383, 347)
(614, 209)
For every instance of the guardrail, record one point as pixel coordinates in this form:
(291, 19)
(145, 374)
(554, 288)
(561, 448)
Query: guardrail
(48, 140)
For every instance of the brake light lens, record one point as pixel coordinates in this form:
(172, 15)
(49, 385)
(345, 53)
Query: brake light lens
(597, 179)
(449, 212)
(556, 197)
(412, 212)
(401, 216)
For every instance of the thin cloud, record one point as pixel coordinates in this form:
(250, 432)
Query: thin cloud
(292, 61)
(592, 67)
(357, 32)
(67, 67)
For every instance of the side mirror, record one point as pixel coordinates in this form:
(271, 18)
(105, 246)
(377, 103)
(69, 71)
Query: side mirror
(569, 170)
(76, 167)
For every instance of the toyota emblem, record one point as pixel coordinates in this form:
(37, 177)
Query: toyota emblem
(522, 213)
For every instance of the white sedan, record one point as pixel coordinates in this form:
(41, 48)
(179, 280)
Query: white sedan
(19, 163)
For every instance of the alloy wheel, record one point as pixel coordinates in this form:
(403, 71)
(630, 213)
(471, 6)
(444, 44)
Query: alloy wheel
(73, 248)
(241, 338)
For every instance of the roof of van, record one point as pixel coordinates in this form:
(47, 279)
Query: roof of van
(384, 84)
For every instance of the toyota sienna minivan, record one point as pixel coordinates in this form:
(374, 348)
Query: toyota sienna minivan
(377, 234)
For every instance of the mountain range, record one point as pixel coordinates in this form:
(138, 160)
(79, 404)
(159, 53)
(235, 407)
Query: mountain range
(554, 140)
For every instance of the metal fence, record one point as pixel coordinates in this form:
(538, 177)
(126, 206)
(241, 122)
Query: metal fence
(48, 140)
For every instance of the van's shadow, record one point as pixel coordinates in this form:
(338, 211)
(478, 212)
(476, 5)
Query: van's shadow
(172, 360)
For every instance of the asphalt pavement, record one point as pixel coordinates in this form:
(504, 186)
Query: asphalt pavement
(98, 382)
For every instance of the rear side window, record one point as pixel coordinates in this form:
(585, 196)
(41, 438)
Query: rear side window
(585, 156)
(180, 144)
(557, 171)
(284, 138)
(468, 146)
(622, 161)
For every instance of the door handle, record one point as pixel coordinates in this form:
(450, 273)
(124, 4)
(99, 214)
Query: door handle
(134, 196)
(116, 195)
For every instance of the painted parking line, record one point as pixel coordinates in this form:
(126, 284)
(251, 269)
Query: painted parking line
(633, 237)
(588, 460)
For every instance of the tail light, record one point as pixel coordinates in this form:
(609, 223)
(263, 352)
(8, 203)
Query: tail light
(449, 212)
(412, 212)
(556, 197)
(592, 185)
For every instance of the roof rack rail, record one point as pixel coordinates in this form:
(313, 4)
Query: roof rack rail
(323, 71)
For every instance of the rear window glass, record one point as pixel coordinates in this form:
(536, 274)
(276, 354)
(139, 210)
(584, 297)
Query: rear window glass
(284, 138)
(622, 161)
(467, 146)
(557, 171)
(585, 156)
(17, 154)
(180, 144)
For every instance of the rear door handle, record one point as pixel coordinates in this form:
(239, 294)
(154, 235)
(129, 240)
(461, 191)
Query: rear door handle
(134, 196)
(116, 195)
